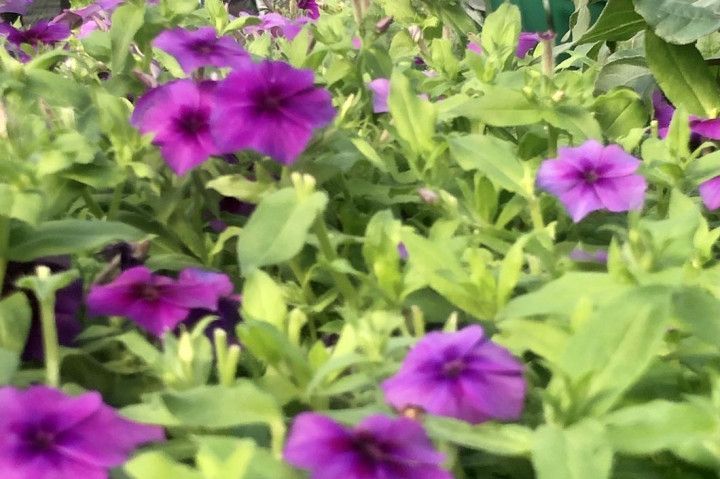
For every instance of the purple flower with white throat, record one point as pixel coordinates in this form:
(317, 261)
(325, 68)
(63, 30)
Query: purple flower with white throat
(201, 48)
(178, 114)
(269, 107)
(592, 177)
(158, 303)
(45, 434)
(380, 88)
(379, 447)
(461, 375)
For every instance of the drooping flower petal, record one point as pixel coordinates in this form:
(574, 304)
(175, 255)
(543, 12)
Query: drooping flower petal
(380, 88)
(710, 193)
(200, 48)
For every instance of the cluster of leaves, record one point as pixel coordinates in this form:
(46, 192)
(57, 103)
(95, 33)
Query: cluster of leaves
(622, 359)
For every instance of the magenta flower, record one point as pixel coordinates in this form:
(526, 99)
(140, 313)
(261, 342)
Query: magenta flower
(591, 177)
(15, 6)
(200, 48)
(178, 113)
(278, 25)
(311, 8)
(47, 434)
(475, 47)
(41, 33)
(700, 127)
(379, 447)
(269, 107)
(158, 303)
(526, 42)
(710, 193)
(380, 88)
(461, 375)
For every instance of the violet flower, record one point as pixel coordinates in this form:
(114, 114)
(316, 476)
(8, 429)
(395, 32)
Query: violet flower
(380, 88)
(580, 255)
(700, 127)
(158, 303)
(200, 48)
(710, 193)
(178, 113)
(41, 33)
(526, 42)
(269, 107)
(311, 8)
(379, 447)
(278, 25)
(475, 48)
(461, 375)
(591, 177)
(47, 434)
(15, 6)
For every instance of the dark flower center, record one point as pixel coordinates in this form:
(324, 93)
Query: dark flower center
(454, 368)
(192, 122)
(368, 446)
(148, 292)
(590, 176)
(203, 47)
(41, 440)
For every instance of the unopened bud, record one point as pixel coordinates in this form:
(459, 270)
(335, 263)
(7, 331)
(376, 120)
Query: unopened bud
(383, 24)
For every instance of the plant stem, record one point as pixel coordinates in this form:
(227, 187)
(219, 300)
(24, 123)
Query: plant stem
(92, 205)
(50, 341)
(553, 135)
(536, 215)
(341, 281)
(115, 202)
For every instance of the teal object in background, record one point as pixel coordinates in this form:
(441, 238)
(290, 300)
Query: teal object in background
(535, 20)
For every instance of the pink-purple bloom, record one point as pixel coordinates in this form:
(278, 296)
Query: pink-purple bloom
(526, 42)
(475, 47)
(15, 6)
(269, 107)
(201, 48)
(380, 88)
(158, 303)
(310, 7)
(380, 447)
(710, 193)
(462, 375)
(41, 33)
(592, 177)
(278, 25)
(178, 114)
(700, 127)
(45, 434)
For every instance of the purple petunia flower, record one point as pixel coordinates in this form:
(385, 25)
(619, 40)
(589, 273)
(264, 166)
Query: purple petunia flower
(15, 6)
(269, 107)
(41, 33)
(591, 177)
(379, 447)
(199, 48)
(47, 434)
(311, 8)
(700, 127)
(475, 47)
(278, 25)
(158, 303)
(526, 42)
(710, 193)
(178, 113)
(380, 88)
(461, 375)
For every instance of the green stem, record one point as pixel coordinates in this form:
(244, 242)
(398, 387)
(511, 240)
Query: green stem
(536, 215)
(50, 341)
(4, 244)
(341, 281)
(115, 202)
(92, 205)
(553, 136)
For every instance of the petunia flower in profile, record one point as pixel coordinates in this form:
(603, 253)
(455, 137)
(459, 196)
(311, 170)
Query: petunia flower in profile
(41, 33)
(158, 303)
(310, 7)
(278, 25)
(710, 193)
(269, 107)
(526, 42)
(700, 127)
(178, 114)
(380, 88)
(592, 177)
(461, 375)
(380, 447)
(46, 434)
(201, 48)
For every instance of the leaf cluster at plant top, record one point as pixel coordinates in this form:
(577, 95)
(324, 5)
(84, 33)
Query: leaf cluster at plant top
(361, 239)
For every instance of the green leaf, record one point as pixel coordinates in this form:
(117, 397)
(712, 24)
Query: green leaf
(221, 457)
(704, 168)
(9, 364)
(278, 228)
(15, 317)
(579, 452)
(156, 465)
(699, 311)
(495, 158)
(414, 117)
(66, 237)
(237, 186)
(683, 76)
(680, 21)
(499, 36)
(495, 438)
(505, 107)
(263, 300)
(617, 22)
(660, 425)
(619, 111)
(577, 121)
(126, 21)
